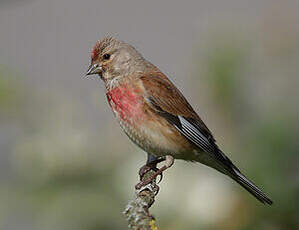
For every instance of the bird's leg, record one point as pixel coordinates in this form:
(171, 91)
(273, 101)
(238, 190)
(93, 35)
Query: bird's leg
(169, 160)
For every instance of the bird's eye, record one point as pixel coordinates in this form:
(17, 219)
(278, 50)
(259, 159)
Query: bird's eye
(106, 56)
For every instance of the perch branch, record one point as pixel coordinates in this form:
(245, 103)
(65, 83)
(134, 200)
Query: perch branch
(137, 210)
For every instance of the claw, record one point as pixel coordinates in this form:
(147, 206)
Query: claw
(146, 168)
(140, 185)
(151, 178)
(143, 170)
(160, 178)
(158, 172)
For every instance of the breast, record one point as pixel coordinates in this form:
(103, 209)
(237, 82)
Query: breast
(126, 103)
(142, 125)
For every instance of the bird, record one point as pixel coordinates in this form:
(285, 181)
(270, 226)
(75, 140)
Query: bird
(156, 116)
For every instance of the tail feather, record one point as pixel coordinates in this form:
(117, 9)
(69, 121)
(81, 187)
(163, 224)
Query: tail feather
(224, 165)
(251, 187)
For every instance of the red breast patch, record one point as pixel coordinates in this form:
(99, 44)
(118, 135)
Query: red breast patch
(126, 103)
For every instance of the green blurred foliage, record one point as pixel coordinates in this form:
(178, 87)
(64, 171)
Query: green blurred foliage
(9, 91)
(224, 63)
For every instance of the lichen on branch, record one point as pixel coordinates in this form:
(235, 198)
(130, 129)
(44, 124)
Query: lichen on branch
(137, 210)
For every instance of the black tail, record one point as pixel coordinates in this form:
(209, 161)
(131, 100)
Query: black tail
(224, 165)
(251, 187)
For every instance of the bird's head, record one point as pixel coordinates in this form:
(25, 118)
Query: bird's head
(111, 58)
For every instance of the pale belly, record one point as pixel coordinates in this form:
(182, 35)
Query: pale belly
(158, 138)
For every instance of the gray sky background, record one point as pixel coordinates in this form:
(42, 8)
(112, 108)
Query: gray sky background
(50, 41)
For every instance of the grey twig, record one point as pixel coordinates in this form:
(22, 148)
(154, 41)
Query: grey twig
(137, 210)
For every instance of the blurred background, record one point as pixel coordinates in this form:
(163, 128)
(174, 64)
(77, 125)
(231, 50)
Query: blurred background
(65, 164)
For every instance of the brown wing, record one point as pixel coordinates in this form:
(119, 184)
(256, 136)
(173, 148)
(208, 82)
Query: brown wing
(170, 99)
(169, 102)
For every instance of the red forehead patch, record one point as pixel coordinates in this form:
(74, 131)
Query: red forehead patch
(95, 52)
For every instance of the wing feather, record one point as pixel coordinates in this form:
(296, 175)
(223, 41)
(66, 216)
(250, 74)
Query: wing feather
(162, 93)
(169, 102)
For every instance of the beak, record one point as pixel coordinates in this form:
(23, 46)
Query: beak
(94, 69)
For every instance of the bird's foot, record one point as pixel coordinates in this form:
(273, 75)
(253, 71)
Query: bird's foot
(151, 164)
(145, 169)
(169, 160)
